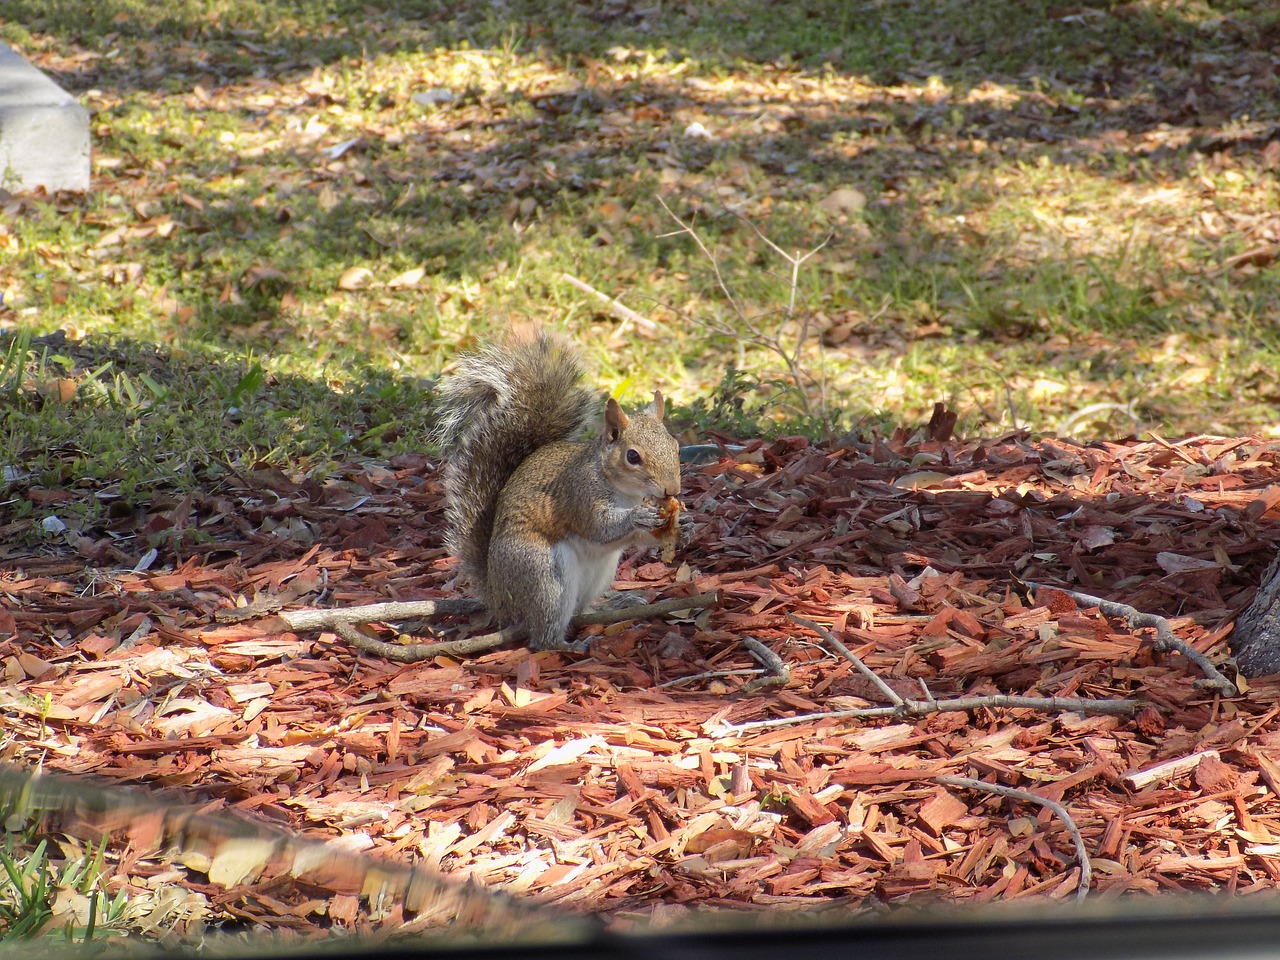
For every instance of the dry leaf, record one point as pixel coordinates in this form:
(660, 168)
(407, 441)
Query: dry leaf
(239, 860)
(61, 390)
(355, 278)
(1176, 563)
(843, 202)
(410, 278)
(258, 274)
(921, 480)
(1093, 537)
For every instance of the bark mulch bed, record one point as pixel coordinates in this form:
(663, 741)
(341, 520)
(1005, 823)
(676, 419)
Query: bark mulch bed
(637, 779)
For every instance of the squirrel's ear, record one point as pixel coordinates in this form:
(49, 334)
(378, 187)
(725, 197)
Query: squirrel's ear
(658, 405)
(615, 421)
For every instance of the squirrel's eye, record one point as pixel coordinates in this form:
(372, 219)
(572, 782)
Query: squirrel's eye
(633, 457)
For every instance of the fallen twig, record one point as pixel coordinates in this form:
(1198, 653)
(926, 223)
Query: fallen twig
(323, 618)
(924, 688)
(923, 708)
(1082, 854)
(711, 675)
(832, 640)
(342, 621)
(642, 611)
(776, 672)
(624, 313)
(902, 707)
(417, 652)
(1166, 639)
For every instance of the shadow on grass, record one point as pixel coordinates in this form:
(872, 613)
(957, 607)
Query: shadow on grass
(1107, 46)
(145, 423)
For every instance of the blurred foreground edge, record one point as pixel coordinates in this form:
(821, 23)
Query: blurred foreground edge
(415, 913)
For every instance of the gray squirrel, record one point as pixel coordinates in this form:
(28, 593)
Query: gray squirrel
(539, 515)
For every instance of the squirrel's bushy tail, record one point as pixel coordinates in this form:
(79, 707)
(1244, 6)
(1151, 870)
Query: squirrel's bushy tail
(499, 405)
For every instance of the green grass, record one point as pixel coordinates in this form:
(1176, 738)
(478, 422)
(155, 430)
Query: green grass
(1054, 198)
(55, 896)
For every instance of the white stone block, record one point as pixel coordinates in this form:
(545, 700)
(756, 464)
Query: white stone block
(44, 132)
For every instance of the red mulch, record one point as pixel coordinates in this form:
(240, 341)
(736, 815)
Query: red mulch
(592, 782)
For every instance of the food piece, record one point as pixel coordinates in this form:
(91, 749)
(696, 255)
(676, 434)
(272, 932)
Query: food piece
(668, 535)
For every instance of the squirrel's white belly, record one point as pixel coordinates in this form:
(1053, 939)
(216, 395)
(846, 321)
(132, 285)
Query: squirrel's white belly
(587, 569)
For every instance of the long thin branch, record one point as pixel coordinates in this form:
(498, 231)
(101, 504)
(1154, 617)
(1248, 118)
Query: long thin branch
(923, 708)
(643, 611)
(1166, 639)
(919, 708)
(1061, 812)
(343, 620)
(711, 675)
(321, 618)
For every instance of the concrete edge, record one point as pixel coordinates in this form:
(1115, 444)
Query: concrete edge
(44, 131)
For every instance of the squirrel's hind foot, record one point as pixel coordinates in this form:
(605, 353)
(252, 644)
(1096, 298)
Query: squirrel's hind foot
(561, 645)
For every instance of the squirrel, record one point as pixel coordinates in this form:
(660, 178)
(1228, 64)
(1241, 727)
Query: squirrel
(538, 515)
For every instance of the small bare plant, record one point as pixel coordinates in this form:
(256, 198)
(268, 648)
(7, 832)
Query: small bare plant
(788, 337)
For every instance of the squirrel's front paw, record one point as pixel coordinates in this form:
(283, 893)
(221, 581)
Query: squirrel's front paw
(647, 516)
